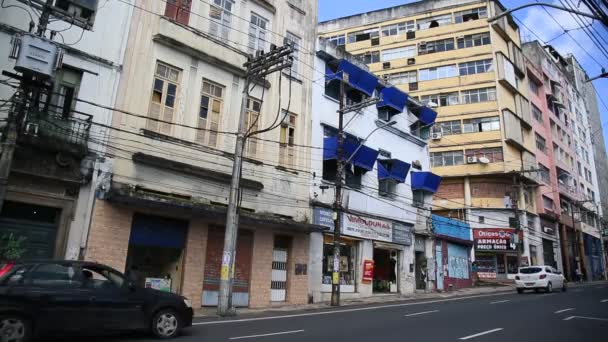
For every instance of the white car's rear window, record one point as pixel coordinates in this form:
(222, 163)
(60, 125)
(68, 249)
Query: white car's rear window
(530, 270)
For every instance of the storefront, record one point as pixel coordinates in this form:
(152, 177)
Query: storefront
(371, 255)
(452, 253)
(495, 252)
(593, 254)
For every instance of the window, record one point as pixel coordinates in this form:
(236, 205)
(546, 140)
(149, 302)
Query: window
(481, 124)
(472, 14)
(220, 12)
(436, 46)
(339, 40)
(436, 21)
(473, 40)
(387, 187)
(101, 278)
(348, 262)
(493, 154)
(547, 203)
(178, 10)
(545, 174)
(541, 144)
(55, 275)
(65, 89)
(252, 122)
(403, 52)
(296, 43)
(209, 113)
(537, 114)
(534, 87)
(360, 36)
(403, 77)
(580, 169)
(418, 198)
(257, 33)
(438, 72)
(163, 101)
(370, 57)
(475, 67)
(399, 28)
(287, 139)
(442, 100)
(447, 158)
(478, 95)
(448, 127)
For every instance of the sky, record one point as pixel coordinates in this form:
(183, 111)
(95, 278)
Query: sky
(539, 24)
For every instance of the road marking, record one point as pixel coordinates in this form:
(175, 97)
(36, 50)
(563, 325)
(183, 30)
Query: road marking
(564, 310)
(604, 301)
(421, 313)
(589, 318)
(480, 334)
(577, 290)
(501, 301)
(264, 335)
(332, 312)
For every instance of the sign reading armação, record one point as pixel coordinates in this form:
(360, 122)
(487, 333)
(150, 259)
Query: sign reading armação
(494, 239)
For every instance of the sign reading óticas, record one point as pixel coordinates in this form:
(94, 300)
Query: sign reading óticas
(494, 239)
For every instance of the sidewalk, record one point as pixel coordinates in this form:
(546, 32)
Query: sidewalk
(377, 299)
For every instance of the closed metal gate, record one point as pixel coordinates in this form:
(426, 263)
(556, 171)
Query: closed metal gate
(278, 284)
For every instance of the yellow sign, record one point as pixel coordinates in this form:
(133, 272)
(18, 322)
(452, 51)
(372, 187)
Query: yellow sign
(224, 272)
(336, 278)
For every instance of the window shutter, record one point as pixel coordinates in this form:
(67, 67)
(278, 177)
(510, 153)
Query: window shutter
(152, 125)
(171, 9)
(183, 12)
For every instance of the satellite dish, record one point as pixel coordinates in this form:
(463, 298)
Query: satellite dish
(484, 160)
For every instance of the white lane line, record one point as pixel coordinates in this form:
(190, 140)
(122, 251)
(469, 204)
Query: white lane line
(480, 334)
(332, 312)
(584, 317)
(501, 301)
(421, 313)
(604, 301)
(563, 310)
(264, 335)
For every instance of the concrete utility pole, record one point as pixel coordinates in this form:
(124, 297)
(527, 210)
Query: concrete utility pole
(258, 68)
(17, 113)
(518, 189)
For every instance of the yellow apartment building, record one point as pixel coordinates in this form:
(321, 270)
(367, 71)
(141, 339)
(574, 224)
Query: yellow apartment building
(446, 54)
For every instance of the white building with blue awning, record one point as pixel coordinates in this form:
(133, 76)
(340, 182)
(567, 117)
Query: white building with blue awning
(387, 191)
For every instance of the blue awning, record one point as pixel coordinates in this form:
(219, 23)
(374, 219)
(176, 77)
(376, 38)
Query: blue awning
(427, 116)
(394, 169)
(426, 181)
(393, 98)
(448, 227)
(365, 157)
(357, 78)
(155, 231)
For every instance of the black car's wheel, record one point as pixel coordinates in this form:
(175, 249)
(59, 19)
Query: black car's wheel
(166, 323)
(14, 328)
(520, 291)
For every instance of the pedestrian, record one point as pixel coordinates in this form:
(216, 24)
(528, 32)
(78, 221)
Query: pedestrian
(579, 275)
(474, 267)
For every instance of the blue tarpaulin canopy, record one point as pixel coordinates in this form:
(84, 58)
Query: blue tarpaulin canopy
(157, 231)
(354, 76)
(426, 115)
(426, 181)
(394, 169)
(364, 158)
(392, 98)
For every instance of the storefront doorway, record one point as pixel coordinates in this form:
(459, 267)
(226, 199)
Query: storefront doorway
(385, 270)
(155, 255)
(421, 270)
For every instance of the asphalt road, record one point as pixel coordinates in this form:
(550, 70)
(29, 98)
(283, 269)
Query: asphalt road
(580, 314)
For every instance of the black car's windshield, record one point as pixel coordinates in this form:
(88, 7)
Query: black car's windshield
(530, 270)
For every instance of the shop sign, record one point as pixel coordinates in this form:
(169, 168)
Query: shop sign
(494, 239)
(367, 228)
(323, 217)
(419, 244)
(368, 270)
(402, 234)
(160, 284)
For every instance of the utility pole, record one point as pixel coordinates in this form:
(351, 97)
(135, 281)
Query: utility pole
(277, 59)
(335, 279)
(518, 188)
(17, 113)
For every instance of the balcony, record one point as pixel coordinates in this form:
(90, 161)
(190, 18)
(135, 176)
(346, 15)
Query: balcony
(567, 190)
(58, 133)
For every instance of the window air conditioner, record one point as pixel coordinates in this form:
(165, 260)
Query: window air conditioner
(472, 160)
(386, 65)
(411, 61)
(436, 136)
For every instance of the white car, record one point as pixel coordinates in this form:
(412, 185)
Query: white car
(539, 277)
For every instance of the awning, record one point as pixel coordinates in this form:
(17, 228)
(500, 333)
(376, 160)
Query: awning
(426, 181)
(354, 76)
(394, 169)
(364, 158)
(392, 98)
(427, 116)
(156, 231)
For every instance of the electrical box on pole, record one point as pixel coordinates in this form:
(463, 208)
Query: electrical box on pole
(80, 13)
(35, 55)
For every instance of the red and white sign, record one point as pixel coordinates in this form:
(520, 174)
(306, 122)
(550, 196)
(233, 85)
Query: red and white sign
(367, 228)
(368, 270)
(495, 239)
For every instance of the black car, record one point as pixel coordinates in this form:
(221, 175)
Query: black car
(50, 298)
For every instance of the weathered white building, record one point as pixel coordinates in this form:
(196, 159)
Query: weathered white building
(388, 188)
(59, 152)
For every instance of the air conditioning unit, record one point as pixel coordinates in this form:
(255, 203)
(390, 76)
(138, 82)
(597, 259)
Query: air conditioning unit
(413, 86)
(386, 77)
(386, 65)
(375, 41)
(471, 160)
(410, 35)
(411, 61)
(436, 136)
